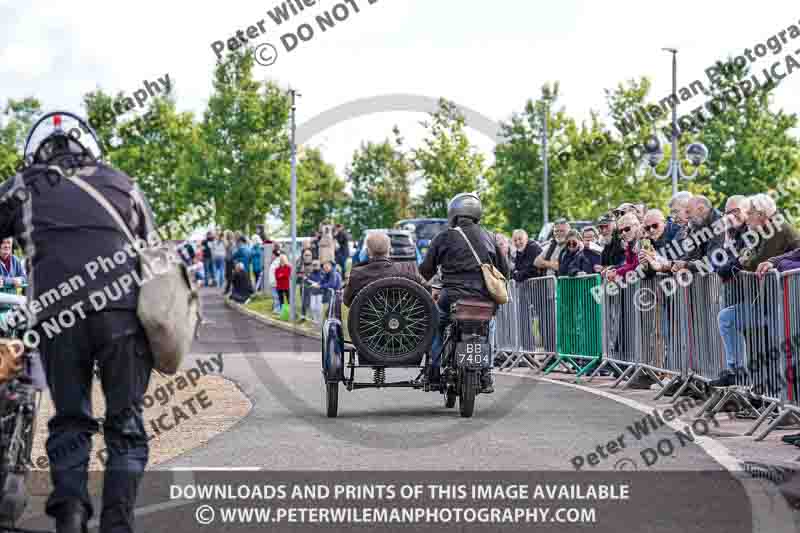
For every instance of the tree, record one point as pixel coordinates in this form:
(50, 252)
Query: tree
(379, 177)
(448, 163)
(751, 149)
(15, 122)
(320, 192)
(155, 151)
(245, 164)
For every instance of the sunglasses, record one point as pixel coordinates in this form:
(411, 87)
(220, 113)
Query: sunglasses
(572, 244)
(651, 227)
(626, 229)
(733, 211)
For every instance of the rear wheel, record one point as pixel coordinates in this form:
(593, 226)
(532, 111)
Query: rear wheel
(332, 399)
(469, 387)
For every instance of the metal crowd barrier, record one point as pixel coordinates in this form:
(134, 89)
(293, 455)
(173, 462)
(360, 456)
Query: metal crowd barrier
(579, 324)
(526, 325)
(672, 327)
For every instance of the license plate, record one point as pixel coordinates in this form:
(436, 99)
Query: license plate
(472, 354)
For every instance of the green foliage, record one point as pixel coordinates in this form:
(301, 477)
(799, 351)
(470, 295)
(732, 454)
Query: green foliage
(244, 165)
(448, 163)
(15, 122)
(320, 192)
(751, 149)
(379, 177)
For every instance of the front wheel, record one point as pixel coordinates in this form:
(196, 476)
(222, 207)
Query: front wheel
(469, 388)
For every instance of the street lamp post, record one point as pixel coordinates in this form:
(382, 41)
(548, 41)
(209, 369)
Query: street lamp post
(546, 177)
(697, 153)
(293, 277)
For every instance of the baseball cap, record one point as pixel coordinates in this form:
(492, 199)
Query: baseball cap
(604, 220)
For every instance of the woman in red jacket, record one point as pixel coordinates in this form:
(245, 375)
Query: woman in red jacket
(283, 276)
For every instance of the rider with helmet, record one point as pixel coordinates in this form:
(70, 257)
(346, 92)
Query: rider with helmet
(461, 275)
(64, 230)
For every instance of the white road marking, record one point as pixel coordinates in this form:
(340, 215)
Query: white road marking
(771, 511)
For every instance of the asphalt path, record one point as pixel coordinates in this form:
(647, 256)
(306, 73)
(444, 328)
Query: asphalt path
(529, 431)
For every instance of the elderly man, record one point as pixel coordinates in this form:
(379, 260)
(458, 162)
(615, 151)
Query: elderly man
(526, 253)
(548, 259)
(629, 229)
(708, 233)
(613, 253)
(379, 266)
(654, 258)
(736, 210)
(679, 209)
(771, 238)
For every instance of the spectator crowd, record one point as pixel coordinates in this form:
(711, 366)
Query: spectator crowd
(635, 242)
(242, 266)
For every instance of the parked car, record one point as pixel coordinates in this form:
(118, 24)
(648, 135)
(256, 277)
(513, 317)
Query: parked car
(403, 246)
(425, 229)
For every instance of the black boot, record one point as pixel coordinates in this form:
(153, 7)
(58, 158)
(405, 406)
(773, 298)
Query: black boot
(487, 383)
(72, 518)
(725, 379)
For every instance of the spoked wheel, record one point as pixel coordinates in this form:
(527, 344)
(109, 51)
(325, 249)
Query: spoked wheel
(332, 399)
(390, 322)
(469, 387)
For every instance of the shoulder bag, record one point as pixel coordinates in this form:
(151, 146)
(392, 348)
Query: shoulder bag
(494, 279)
(168, 306)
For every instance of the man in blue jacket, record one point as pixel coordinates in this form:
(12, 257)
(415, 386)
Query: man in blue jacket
(12, 271)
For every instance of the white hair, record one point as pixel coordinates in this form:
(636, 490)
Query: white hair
(378, 244)
(737, 199)
(763, 203)
(680, 198)
(519, 232)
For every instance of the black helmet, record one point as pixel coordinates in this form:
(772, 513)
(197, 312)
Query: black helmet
(61, 135)
(466, 204)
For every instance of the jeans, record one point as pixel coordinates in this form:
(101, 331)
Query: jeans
(116, 341)
(276, 300)
(208, 267)
(218, 272)
(341, 260)
(732, 321)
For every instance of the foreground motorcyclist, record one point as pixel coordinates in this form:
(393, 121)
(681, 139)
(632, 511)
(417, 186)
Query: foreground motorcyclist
(63, 230)
(461, 275)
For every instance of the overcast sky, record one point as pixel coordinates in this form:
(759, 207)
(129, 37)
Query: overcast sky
(488, 56)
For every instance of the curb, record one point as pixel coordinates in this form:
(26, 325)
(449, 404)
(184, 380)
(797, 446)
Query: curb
(270, 321)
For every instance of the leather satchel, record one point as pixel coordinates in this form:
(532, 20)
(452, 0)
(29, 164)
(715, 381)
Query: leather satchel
(494, 279)
(169, 306)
